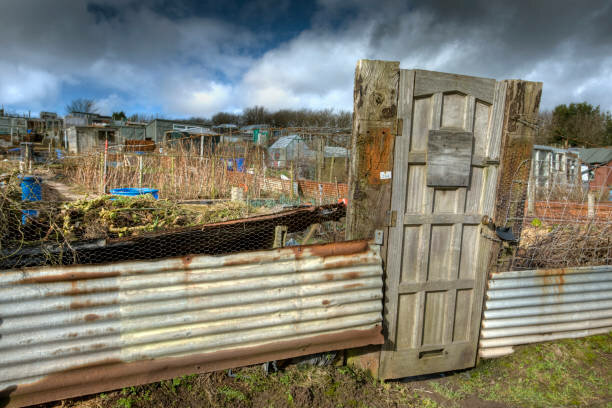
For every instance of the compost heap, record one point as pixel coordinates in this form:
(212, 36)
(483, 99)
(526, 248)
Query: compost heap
(104, 217)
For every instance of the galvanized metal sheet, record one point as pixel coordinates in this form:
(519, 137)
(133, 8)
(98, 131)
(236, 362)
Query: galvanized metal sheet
(549, 304)
(68, 331)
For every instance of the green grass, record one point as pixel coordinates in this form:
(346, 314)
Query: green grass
(564, 373)
(232, 394)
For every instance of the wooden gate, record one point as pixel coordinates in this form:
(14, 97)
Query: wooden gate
(444, 180)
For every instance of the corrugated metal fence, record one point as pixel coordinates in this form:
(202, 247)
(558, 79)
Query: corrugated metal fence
(68, 331)
(540, 305)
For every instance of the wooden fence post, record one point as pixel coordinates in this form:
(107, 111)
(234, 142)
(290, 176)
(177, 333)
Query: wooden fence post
(590, 204)
(521, 108)
(372, 143)
(320, 158)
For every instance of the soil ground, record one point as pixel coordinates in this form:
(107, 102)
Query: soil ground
(566, 373)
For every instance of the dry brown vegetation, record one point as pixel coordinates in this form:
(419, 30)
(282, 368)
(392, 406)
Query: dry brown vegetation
(178, 173)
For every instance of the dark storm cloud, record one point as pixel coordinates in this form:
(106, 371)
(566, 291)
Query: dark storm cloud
(102, 12)
(189, 57)
(565, 44)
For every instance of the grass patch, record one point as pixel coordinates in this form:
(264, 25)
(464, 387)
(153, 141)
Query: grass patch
(230, 394)
(566, 373)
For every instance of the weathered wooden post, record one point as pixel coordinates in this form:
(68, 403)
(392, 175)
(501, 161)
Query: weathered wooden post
(515, 187)
(372, 142)
(320, 158)
(331, 168)
(591, 204)
(140, 171)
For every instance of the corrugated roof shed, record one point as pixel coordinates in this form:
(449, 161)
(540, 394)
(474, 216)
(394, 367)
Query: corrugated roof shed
(253, 127)
(286, 141)
(599, 155)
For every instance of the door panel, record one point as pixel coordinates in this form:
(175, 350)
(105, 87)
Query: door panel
(444, 183)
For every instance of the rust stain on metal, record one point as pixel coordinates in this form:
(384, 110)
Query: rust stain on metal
(377, 154)
(91, 317)
(250, 260)
(112, 374)
(325, 302)
(75, 291)
(554, 277)
(353, 285)
(339, 263)
(68, 276)
(187, 260)
(333, 249)
(89, 303)
(351, 275)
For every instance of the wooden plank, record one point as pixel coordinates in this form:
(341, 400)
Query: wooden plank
(441, 219)
(441, 285)
(430, 82)
(477, 160)
(449, 155)
(430, 359)
(398, 203)
(374, 121)
(372, 145)
(522, 102)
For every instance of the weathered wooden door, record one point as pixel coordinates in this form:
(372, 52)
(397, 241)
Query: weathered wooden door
(444, 181)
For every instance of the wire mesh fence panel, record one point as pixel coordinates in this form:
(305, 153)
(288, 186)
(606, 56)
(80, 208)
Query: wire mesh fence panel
(564, 216)
(141, 201)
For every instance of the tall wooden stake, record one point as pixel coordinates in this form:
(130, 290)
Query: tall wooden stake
(374, 130)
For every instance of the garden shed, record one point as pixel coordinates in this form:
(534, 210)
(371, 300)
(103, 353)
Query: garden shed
(287, 149)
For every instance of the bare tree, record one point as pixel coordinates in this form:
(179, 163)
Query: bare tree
(83, 105)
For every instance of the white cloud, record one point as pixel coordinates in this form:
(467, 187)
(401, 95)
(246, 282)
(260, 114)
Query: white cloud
(111, 103)
(195, 97)
(21, 84)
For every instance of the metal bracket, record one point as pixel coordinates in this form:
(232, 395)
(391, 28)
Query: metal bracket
(379, 237)
(391, 218)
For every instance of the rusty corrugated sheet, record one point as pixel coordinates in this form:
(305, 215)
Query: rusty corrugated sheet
(545, 304)
(75, 330)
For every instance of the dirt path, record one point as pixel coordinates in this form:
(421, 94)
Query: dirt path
(55, 190)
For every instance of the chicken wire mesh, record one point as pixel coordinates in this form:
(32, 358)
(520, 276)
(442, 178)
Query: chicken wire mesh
(561, 216)
(210, 200)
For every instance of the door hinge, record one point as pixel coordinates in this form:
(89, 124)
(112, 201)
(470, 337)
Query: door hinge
(391, 218)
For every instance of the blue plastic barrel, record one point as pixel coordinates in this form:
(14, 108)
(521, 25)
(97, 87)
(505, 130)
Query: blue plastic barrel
(133, 192)
(31, 188)
(59, 153)
(25, 214)
(239, 164)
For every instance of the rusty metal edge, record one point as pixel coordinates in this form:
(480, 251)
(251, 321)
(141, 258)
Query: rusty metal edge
(116, 374)
(68, 271)
(247, 220)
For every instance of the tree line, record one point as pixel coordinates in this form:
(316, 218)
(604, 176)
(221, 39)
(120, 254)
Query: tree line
(575, 125)
(254, 115)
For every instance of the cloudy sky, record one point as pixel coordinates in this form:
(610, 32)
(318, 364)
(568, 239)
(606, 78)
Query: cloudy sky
(186, 58)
